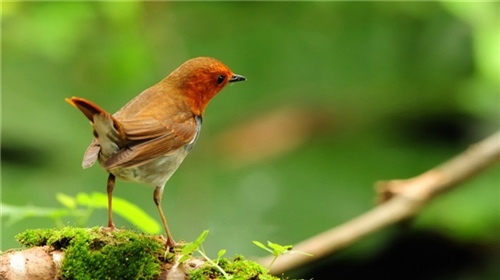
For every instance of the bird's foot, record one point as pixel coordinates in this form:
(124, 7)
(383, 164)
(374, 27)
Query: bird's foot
(169, 242)
(108, 229)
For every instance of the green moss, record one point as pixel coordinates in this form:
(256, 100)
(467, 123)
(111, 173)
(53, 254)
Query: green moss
(34, 237)
(96, 254)
(239, 268)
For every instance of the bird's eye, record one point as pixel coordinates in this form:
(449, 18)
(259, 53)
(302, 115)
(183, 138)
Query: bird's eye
(221, 79)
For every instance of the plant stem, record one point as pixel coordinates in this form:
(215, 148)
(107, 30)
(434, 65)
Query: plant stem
(214, 264)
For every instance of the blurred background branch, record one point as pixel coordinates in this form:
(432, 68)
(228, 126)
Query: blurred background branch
(402, 199)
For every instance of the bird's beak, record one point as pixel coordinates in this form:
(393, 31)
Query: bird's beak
(237, 78)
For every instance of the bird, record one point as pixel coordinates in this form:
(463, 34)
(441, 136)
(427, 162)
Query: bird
(148, 138)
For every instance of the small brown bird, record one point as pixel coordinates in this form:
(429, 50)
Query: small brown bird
(147, 139)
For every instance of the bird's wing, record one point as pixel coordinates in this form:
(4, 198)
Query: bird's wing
(148, 138)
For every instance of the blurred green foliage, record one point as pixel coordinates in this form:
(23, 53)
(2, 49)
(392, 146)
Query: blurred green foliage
(80, 208)
(391, 89)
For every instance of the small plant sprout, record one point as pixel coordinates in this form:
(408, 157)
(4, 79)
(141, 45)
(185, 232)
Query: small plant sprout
(189, 248)
(195, 246)
(277, 250)
(220, 254)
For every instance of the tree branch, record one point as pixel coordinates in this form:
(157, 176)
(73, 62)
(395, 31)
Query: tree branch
(400, 199)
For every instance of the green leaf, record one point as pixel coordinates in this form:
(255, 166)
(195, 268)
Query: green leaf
(15, 213)
(279, 249)
(189, 248)
(66, 200)
(84, 199)
(183, 258)
(201, 238)
(221, 253)
(262, 246)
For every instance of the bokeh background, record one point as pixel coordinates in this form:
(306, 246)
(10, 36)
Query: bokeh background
(339, 95)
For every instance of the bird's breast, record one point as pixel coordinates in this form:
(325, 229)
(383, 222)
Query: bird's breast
(155, 172)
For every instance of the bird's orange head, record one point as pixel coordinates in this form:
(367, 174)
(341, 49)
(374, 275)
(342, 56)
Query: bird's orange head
(200, 79)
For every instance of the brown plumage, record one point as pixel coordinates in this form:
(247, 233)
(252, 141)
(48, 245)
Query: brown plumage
(147, 139)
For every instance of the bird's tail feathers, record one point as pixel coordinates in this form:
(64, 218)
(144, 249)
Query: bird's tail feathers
(90, 110)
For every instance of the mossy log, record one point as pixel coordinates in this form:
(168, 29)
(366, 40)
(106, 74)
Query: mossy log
(100, 253)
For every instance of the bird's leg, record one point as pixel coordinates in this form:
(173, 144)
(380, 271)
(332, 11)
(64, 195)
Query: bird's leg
(111, 186)
(157, 198)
